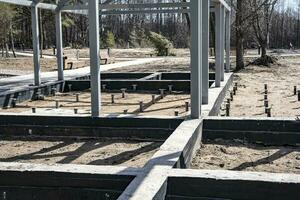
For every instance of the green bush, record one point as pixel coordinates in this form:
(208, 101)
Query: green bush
(161, 43)
(110, 39)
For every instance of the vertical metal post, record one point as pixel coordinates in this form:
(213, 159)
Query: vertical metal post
(59, 45)
(196, 58)
(222, 42)
(218, 56)
(205, 50)
(228, 29)
(94, 40)
(36, 44)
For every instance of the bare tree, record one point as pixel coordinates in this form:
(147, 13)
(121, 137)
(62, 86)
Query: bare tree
(261, 24)
(240, 31)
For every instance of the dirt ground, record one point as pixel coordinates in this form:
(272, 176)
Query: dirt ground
(121, 53)
(95, 152)
(67, 103)
(24, 65)
(168, 64)
(281, 79)
(234, 155)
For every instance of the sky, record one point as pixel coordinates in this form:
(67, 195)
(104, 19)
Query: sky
(288, 3)
(291, 3)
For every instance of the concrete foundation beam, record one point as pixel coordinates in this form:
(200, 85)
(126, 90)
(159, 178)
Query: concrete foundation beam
(220, 184)
(276, 132)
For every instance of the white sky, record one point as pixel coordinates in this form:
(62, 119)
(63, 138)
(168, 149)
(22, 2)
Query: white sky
(288, 3)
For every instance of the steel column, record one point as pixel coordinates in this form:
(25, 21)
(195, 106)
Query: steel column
(205, 50)
(196, 58)
(223, 43)
(36, 45)
(94, 39)
(228, 29)
(59, 45)
(218, 56)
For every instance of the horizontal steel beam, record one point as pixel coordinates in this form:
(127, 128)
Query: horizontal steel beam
(45, 6)
(126, 12)
(109, 9)
(105, 7)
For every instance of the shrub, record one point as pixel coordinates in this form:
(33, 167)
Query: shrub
(162, 44)
(110, 39)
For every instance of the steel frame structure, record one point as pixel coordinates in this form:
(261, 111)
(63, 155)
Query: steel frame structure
(199, 12)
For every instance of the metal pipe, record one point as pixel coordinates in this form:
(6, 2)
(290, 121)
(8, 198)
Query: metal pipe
(123, 90)
(227, 109)
(112, 98)
(141, 106)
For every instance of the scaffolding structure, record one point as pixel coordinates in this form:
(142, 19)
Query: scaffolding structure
(199, 11)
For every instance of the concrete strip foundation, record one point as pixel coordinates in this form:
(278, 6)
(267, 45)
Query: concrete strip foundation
(217, 95)
(158, 179)
(26, 94)
(27, 181)
(86, 127)
(221, 185)
(113, 81)
(270, 131)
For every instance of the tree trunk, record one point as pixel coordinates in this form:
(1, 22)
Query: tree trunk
(12, 42)
(6, 47)
(2, 49)
(240, 64)
(263, 52)
(239, 36)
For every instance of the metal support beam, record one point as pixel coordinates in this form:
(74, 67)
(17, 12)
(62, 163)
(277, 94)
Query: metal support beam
(59, 45)
(218, 56)
(196, 58)
(36, 44)
(94, 40)
(136, 12)
(131, 6)
(205, 50)
(228, 29)
(222, 42)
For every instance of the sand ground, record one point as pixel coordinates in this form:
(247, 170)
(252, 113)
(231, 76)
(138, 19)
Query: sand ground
(169, 64)
(280, 78)
(236, 155)
(67, 103)
(89, 152)
(24, 65)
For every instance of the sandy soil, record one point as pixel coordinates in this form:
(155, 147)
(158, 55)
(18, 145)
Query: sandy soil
(131, 103)
(168, 105)
(281, 79)
(21, 65)
(234, 155)
(168, 64)
(95, 152)
(121, 53)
